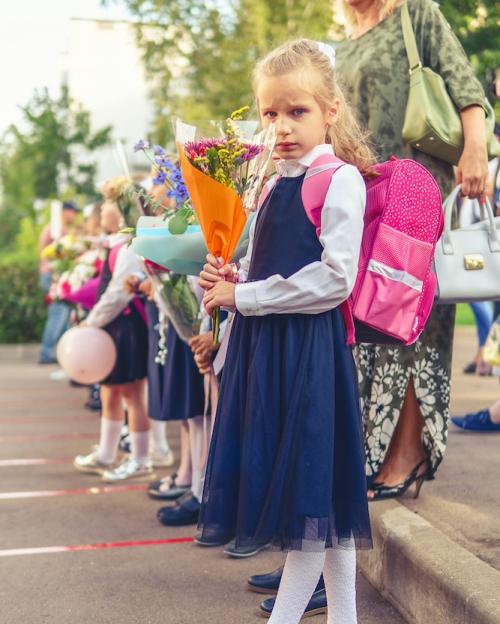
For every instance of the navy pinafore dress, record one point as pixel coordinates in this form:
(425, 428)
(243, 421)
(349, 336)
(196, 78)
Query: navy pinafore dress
(183, 390)
(155, 370)
(130, 335)
(286, 462)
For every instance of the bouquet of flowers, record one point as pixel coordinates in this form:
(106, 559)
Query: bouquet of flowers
(86, 267)
(224, 175)
(176, 302)
(179, 215)
(63, 253)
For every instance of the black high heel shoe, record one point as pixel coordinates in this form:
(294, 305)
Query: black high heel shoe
(383, 492)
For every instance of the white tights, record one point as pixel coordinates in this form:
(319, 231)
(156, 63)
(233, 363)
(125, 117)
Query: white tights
(300, 577)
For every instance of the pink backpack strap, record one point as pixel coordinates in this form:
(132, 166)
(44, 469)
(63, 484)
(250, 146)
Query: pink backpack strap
(314, 190)
(316, 185)
(136, 301)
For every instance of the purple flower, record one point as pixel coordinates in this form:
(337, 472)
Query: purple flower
(161, 178)
(159, 151)
(141, 145)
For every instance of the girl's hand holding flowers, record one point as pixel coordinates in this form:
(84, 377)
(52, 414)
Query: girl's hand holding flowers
(221, 295)
(215, 271)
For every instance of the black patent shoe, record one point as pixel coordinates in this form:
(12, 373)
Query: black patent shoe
(186, 511)
(269, 583)
(316, 606)
(383, 492)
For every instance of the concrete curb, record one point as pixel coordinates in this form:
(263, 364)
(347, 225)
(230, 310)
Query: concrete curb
(429, 578)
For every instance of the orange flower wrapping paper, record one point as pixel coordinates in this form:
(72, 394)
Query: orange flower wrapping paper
(219, 209)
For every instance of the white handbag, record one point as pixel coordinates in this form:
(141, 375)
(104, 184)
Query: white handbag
(467, 260)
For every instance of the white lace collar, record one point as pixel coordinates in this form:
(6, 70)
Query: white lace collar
(296, 167)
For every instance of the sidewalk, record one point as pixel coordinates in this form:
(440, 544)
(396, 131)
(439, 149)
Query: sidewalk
(438, 558)
(72, 552)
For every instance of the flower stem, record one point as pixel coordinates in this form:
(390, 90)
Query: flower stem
(216, 326)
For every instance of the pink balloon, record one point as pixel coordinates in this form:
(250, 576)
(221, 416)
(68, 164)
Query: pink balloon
(87, 354)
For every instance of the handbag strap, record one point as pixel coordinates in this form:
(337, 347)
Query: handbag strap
(409, 39)
(486, 209)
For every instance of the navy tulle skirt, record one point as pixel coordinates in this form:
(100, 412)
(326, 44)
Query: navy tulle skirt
(183, 390)
(286, 461)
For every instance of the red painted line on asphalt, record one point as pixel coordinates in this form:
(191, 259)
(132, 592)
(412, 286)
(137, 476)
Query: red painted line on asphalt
(9, 463)
(50, 436)
(16, 552)
(106, 489)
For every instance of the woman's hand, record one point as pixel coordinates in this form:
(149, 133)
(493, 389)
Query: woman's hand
(221, 294)
(216, 271)
(472, 168)
(472, 171)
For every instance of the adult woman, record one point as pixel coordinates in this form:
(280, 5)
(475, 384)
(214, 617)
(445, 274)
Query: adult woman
(405, 391)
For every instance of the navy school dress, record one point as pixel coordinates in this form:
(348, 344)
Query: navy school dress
(155, 370)
(183, 385)
(286, 463)
(130, 335)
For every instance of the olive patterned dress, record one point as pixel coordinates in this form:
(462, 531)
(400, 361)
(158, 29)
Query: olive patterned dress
(373, 70)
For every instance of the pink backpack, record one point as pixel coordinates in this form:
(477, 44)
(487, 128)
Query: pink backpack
(394, 291)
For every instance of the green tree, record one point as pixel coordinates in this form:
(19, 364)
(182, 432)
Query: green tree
(47, 154)
(216, 44)
(477, 25)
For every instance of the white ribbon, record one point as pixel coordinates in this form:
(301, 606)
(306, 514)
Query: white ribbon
(328, 51)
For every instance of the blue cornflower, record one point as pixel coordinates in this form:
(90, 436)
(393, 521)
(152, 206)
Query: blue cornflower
(159, 151)
(141, 145)
(161, 177)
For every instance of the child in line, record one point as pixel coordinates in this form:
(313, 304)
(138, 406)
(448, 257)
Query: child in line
(116, 312)
(286, 462)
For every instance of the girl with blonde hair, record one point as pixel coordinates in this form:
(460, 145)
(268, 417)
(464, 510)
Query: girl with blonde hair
(286, 462)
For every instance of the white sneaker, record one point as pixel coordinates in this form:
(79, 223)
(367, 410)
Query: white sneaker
(129, 469)
(58, 375)
(162, 459)
(90, 464)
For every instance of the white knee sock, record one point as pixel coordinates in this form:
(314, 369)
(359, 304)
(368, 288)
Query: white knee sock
(109, 438)
(139, 445)
(298, 582)
(196, 442)
(159, 440)
(340, 584)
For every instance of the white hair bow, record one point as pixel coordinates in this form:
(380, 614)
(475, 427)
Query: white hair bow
(328, 51)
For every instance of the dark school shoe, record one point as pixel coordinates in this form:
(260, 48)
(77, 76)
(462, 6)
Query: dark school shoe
(316, 606)
(206, 542)
(242, 552)
(186, 511)
(269, 583)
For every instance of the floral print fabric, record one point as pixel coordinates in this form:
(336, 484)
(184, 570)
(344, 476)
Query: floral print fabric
(373, 70)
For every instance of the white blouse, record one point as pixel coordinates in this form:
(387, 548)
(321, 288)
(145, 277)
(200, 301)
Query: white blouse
(114, 299)
(324, 284)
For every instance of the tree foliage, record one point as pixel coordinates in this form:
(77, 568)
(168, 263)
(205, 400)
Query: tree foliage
(45, 156)
(217, 44)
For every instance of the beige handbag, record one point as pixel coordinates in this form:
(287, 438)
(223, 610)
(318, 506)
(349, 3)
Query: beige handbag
(432, 123)
(467, 260)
